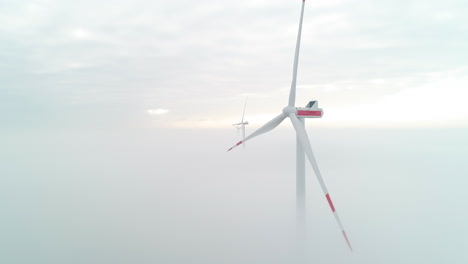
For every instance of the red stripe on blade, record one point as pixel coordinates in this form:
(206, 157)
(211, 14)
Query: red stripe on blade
(330, 202)
(238, 143)
(347, 240)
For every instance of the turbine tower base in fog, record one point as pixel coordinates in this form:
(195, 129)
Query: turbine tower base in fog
(300, 188)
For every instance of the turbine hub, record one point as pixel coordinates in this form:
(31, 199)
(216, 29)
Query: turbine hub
(289, 109)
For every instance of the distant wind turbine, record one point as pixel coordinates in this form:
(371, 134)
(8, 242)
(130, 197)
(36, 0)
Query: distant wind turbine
(297, 115)
(242, 123)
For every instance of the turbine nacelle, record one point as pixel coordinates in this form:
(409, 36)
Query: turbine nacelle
(310, 111)
(239, 125)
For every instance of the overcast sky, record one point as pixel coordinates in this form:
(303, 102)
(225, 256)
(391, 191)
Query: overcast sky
(192, 64)
(115, 117)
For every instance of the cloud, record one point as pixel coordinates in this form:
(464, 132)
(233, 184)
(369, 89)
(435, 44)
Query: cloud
(202, 58)
(80, 33)
(438, 100)
(157, 111)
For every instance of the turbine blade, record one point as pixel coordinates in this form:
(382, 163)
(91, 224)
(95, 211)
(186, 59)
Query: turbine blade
(263, 129)
(242, 121)
(304, 139)
(292, 93)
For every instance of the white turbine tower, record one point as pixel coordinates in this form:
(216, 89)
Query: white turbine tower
(241, 124)
(297, 115)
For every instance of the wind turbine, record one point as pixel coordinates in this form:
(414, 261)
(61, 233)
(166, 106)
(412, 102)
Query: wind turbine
(303, 148)
(241, 124)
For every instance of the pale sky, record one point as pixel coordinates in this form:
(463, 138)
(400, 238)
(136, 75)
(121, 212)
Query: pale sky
(106, 63)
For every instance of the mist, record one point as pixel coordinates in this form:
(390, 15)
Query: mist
(176, 196)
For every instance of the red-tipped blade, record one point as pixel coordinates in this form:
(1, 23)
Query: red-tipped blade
(332, 207)
(347, 240)
(263, 129)
(304, 140)
(238, 143)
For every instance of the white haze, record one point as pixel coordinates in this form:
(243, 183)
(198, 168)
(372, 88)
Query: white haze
(176, 196)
